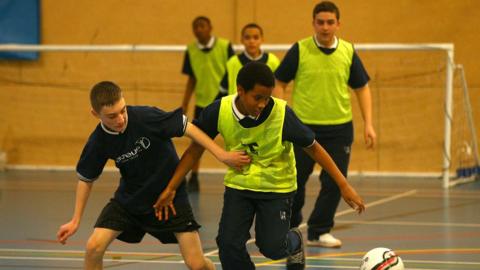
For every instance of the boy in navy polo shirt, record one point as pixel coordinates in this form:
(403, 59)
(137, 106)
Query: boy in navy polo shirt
(138, 139)
(263, 190)
(324, 67)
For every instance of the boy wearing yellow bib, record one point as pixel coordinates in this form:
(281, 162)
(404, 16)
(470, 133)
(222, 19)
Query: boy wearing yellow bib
(265, 128)
(324, 67)
(204, 63)
(252, 39)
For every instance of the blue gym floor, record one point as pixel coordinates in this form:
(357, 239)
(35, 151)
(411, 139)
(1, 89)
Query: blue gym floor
(429, 227)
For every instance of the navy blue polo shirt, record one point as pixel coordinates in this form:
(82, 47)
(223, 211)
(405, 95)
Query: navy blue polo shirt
(289, 66)
(144, 154)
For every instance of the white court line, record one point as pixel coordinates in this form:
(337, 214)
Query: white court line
(111, 253)
(411, 223)
(344, 212)
(27, 258)
(213, 252)
(82, 251)
(178, 262)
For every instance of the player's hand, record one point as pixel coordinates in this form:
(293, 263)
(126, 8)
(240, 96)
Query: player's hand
(352, 198)
(65, 231)
(236, 159)
(370, 137)
(164, 204)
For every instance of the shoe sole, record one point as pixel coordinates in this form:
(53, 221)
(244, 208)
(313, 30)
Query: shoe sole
(318, 244)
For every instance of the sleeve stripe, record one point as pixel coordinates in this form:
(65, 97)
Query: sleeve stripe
(185, 122)
(311, 144)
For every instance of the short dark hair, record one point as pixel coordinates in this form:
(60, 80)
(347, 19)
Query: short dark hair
(255, 73)
(201, 18)
(104, 93)
(252, 25)
(326, 6)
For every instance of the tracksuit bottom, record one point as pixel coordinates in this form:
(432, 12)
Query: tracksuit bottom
(271, 213)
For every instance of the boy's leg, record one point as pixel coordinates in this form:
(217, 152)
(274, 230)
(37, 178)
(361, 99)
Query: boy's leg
(272, 224)
(234, 231)
(274, 237)
(321, 220)
(97, 245)
(191, 249)
(304, 164)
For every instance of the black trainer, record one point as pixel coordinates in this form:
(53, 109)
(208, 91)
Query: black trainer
(296, 261)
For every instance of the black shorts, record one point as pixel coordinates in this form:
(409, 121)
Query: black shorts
(134, 227)
(198, 111)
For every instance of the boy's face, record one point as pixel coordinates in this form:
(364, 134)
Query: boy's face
(325, 24)
(202, 31)
(254, 101)
(113, 117)
(252, 39)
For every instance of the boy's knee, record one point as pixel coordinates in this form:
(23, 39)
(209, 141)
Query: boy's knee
(274, 252)
(94, 248)
(197, 263)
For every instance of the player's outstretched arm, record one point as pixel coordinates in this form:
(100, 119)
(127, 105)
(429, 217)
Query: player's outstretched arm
(318, 153)
(164, 203)
(69, 228)
(234, 159)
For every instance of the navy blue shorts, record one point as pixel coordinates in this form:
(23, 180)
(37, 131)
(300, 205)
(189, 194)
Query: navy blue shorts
(134, 227)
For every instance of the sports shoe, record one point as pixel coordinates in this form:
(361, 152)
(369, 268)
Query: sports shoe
(296, 261)
(325, 240)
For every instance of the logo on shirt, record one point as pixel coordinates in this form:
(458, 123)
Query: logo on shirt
(252, 147)
(141, 144)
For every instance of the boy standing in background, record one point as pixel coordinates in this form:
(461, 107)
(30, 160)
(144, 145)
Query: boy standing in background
(252, 39)
(204, 64)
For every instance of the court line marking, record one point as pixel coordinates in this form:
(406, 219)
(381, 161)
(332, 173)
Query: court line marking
(81, 259)
(344, 212)
(323, 257)
(112, 253)
(412, 223)
(338, 256)
(328, 266)
(404, 251)
(347, 211)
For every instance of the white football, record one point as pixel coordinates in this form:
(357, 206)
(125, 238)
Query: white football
(381, 259)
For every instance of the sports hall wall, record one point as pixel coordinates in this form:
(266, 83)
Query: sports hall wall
(44, 109)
